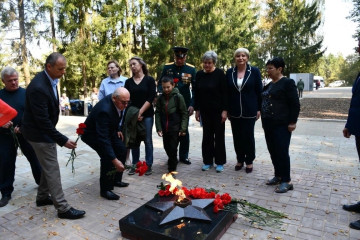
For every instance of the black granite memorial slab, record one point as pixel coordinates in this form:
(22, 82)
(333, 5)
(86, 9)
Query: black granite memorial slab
(145, 223)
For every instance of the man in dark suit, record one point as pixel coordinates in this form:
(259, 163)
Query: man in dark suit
(352, 127)
(13, 95)
(39, 128)
(102, 134)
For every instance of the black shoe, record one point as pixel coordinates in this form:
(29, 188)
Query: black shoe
(5, 200)
(355, 225)
(239, 167)
(274, 181)
(352, 208)
(132, 171)
(121, 184)
(148, 172)
(72, 213)
(109, 195)
(185, 161)
(284, 187)
(44, 202)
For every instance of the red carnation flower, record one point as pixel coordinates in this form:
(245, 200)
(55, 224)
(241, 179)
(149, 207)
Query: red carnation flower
(217, 201)
(226, 198)
(79, 132)
(141, 168)
(176, 80)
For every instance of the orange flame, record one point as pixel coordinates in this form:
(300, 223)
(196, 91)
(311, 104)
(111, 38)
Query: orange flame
(180, 226)
(174, 183)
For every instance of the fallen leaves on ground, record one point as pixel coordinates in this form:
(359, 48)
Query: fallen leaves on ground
(325, 108)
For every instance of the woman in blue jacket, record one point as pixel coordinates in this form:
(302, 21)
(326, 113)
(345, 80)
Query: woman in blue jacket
(244, 96)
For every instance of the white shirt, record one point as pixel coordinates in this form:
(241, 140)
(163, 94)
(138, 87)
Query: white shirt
(240, 82)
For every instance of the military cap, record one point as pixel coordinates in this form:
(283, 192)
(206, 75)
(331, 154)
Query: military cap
(180, 51)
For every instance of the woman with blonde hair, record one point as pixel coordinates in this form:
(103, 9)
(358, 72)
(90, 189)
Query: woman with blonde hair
(244, 99)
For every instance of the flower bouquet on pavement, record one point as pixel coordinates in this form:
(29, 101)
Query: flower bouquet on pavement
(79, 132)
(140, 168)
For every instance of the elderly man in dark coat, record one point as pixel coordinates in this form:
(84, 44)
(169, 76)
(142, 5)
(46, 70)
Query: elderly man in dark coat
(102, 134)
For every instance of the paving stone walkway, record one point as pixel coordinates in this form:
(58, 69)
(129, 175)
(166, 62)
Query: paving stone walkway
(324, 168)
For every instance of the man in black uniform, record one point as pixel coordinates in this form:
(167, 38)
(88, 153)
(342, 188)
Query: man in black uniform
(183, 74)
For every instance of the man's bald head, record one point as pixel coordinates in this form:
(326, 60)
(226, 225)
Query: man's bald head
(121, 98)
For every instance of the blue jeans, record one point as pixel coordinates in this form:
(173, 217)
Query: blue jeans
(149, 122)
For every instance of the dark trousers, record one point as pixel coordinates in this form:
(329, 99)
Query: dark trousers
(171, 142)
(243, 137)
(357, 142)
(300, 92)
(213, 142)
(107, 181)
(8, 154)
(184, 146)
(278, 141)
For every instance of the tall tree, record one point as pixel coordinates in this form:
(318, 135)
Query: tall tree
(73, 19)
(355, 16)
(290, 32)
(23, 48)
(200, 25)
(20, 16)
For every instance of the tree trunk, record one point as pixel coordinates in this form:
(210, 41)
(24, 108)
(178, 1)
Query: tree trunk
(24, 57)
(142, 27)
(52, 21)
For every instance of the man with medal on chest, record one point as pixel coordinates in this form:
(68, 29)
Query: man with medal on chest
(183, 74)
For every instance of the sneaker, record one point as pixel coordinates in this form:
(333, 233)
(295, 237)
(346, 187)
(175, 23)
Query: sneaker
(206, 167)
(148, 172)
(219, 168)
(132, 171)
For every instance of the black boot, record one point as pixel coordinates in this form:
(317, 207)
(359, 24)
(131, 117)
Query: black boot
(355, 225)
(5, 200)
(352, 208)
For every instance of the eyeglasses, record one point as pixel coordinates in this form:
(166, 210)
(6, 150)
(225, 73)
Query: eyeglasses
(125, 102)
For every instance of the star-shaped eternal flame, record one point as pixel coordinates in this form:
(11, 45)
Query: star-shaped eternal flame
(172, 212)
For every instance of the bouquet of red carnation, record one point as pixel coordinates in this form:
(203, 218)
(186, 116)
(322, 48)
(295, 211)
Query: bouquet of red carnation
(255, 213)
(79, 132)
(141, 168)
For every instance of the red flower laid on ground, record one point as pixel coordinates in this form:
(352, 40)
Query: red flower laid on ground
(255, 213)
(141, 168)
(79, 131)
(200, 193)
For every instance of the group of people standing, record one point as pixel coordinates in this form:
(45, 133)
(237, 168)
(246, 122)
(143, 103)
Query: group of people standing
(215, 97)
(240, 97)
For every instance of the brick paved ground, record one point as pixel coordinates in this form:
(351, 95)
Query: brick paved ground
(325, 172)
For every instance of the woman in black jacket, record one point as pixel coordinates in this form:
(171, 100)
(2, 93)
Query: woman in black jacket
(142, 90)
(210, 103)
(279, 113)
(244, 97)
